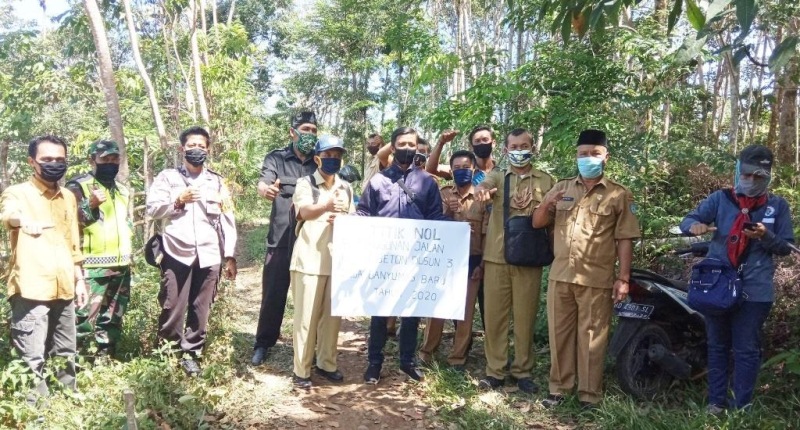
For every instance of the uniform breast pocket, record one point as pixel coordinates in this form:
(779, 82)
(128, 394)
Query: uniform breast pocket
(564, 212)
(600, 218)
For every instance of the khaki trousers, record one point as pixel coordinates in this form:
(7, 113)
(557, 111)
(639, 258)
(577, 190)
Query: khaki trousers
(434, 327)
(578, 319)
(510, 290)
(314, 327)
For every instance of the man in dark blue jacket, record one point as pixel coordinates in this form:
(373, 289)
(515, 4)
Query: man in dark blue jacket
(402, 190)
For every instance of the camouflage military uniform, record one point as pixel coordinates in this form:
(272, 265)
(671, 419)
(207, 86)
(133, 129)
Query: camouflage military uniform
(106, 233)
(109, 294)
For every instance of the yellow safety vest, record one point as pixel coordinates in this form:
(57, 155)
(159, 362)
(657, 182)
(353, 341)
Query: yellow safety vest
(107, 241)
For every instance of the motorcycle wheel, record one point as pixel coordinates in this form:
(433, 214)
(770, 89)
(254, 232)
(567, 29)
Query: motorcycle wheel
(637, 375)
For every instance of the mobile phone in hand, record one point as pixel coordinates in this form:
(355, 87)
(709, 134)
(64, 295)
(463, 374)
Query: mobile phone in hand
(750, 225)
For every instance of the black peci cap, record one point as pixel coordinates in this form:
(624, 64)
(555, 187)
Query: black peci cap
(592, 137)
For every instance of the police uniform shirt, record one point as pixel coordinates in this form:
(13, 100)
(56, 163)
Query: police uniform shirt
(527, 191)
(587, 225)
(471, 211)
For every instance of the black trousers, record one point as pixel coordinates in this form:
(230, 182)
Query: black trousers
(185, 288)
(274, 289)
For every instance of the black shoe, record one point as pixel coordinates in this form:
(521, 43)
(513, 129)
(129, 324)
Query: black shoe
(412, 372)
(335, 376)
(527, 386)
(553, 401)
(190, 366)
(259, 355)
(373, 374)
(588, 406)
(301, 383)
(490, 383)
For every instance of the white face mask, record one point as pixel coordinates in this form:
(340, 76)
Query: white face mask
(520, 158)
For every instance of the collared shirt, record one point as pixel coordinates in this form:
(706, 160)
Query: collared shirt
(384, 197)
(471, 211)
(42, 267)
(283, 164)
(527, 191)
(373, 167)
(191, 232)
(758, 268)
(312, 254)
(588, 224)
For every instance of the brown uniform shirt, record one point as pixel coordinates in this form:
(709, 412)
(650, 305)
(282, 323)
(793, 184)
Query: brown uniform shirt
(471, 211)
(312, 249)
(373, 167)
(527, 191)
(42, 267)
(587, 226)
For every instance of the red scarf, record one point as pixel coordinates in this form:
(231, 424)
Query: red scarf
(737, 241)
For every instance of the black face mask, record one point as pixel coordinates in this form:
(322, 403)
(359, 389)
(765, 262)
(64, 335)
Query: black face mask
(106, 172)
(52, 171)
(404, 156)
(196, 157)
(373, 149)
(482, 150)
(420, 159)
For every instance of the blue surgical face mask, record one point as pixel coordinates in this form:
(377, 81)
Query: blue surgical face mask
(590, 167)
(330, 166)
(462, 176)
(520, 158)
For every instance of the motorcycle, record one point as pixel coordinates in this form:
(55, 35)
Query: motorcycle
(658, 337)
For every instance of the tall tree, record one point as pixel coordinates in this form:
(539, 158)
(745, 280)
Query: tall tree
(108, 83)
(148, 84)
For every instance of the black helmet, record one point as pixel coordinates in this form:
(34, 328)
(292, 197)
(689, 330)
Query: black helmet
(349, 173)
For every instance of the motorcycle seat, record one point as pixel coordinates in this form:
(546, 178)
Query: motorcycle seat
(677, 284)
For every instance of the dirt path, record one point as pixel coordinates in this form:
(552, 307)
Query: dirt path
(270, 402)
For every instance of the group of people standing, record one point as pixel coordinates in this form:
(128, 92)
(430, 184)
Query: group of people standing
(69, 273)
(82, 284)
(592, 219)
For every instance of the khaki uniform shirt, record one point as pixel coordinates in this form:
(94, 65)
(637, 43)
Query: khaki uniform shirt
(373, 167)
(471, 211)
(190, 232)
(587, 226)
(527, 191)
(312, 250)
(42, 267)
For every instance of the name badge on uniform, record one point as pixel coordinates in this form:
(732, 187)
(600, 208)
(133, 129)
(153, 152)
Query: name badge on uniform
(768, 220)
(567, 199)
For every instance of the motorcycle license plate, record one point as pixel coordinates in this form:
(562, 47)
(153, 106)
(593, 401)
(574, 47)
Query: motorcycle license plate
(633, 310)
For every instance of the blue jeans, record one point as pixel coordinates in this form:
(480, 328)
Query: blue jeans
(407, 340)
(739, 331)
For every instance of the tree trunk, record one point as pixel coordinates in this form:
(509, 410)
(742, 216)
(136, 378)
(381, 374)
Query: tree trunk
(787, 123)
(196, 62)
(108, 83)
(5, 178)
(148, 84)
(230, 12)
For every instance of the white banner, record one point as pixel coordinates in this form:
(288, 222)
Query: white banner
(399, 267)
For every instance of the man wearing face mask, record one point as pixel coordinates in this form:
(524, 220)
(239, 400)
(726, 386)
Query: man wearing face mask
(751, 227)
(279, 175)
(481, 143)
(459, 203)
(594, 225)
(199, 233)
(511, 291)
(374, 165)
(106, 234)
(318, 199)
(45, 280)
(399, 191)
